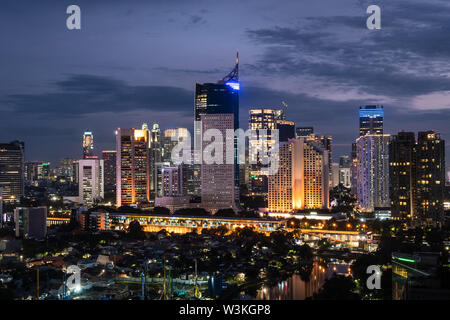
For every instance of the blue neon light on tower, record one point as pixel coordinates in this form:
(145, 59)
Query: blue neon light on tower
(371, 120)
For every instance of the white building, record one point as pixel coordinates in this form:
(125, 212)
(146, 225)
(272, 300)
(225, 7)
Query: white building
(90, 181)
(345, 177)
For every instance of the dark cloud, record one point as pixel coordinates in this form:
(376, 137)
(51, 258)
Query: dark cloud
(408, 57)
(86, 94)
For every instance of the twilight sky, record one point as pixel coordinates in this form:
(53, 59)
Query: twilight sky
(138, 61)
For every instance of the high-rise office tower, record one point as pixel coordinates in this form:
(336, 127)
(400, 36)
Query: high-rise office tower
(75, 170)
(218, 185)
(1, 206)
(344, 161)
(303, 132)
(371, 120)
(66, 169)
(31, 223)
(260, 119)
(12, 170)
(286, 130)
(429, 178)
(401, 175)
(132, 167)
(157, 177)
(345, 171)
(316, 175)
(172, 183)
(171, 138)
(91, 181)
(88, 144)
(354, 169)
(109, 162)
(32, 171)
(373, 171)
(44, 171)
(302, 180)
(191, 174)
(156, 153)
(334, 174)
(327, 141)
(218, 98)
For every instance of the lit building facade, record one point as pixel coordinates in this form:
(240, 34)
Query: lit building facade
(302, 180)
(12, 170)
(218, 185)
(401, 175)
(88, 144)
(260, 119)
(132, 167)
(172, 184)
(156, 154)
(429, 179)
(371, 120)
(373, 171)
(171, 138)
(91, 181)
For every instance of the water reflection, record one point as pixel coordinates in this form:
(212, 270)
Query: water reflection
(298, 287)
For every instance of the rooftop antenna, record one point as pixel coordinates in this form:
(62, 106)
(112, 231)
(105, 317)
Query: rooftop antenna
(285, 109)
(234, 74)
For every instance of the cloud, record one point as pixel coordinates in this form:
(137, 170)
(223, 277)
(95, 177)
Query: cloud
(79, 95)
(408, 57)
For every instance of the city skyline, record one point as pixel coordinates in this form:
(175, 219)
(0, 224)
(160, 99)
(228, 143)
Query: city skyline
(83, 81)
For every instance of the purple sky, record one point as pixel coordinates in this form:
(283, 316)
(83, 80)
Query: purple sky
(138, 61)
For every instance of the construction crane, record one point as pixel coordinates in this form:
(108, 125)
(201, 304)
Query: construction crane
(197, 292)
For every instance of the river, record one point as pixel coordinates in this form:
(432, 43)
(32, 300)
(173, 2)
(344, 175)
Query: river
(294, 288)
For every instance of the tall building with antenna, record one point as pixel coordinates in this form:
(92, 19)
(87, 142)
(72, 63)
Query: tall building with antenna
(221, 97)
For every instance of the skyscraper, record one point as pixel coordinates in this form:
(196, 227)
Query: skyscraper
(302, 180)
(156, 153)
(12, 170)
(218, 185)
(171, 138)
(371, 120)
(88, 144)
(218, 98)
(132, 167)
(373, 171)
(401, 175)
(66, 169)
(260, 119)
(354, 169)
(172, 183)
(429, 178)
(286, 130)
(91, 181)
(327, 142)
(345, 171)
(109, 161)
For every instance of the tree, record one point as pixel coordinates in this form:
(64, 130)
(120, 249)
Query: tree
(135, 230)
(161, 210)
(337, 288)
(225, 213)
(192, 212)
